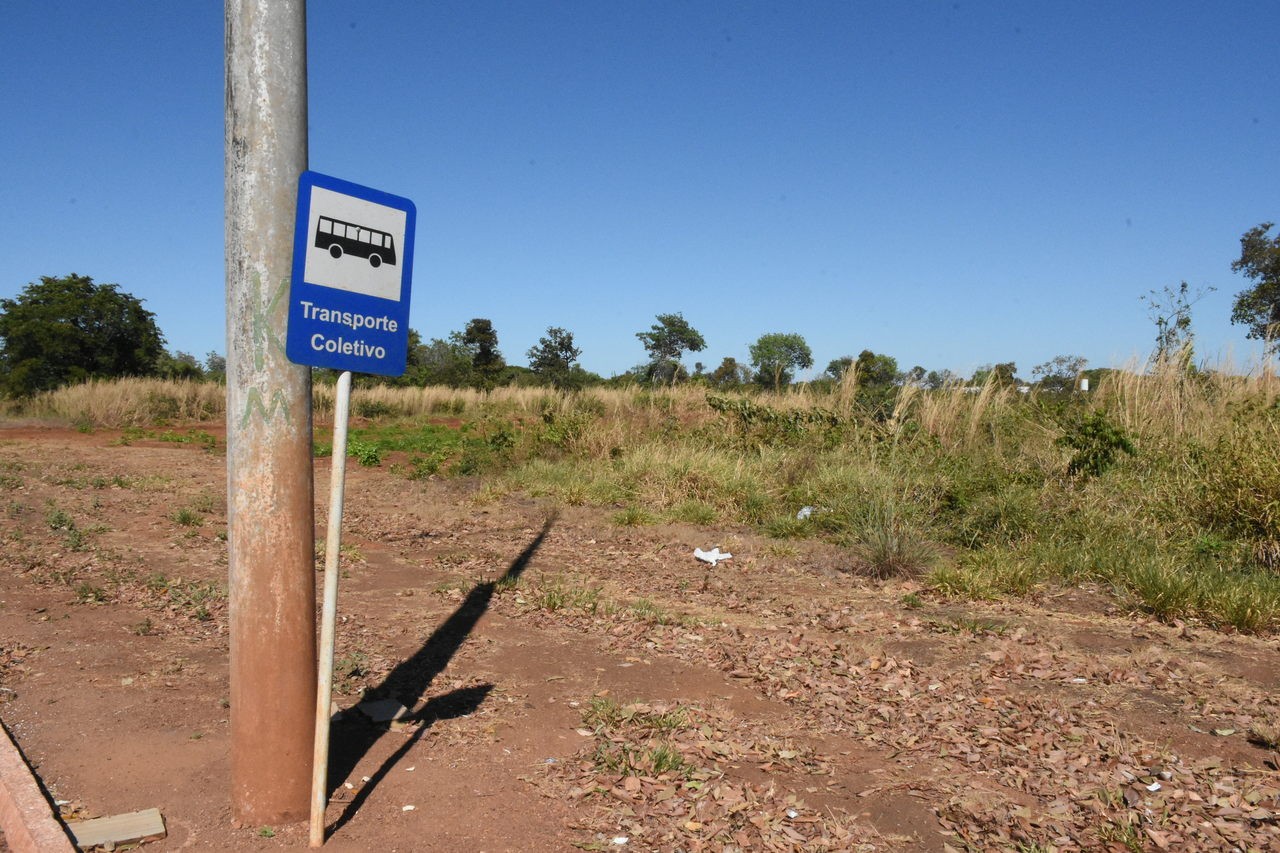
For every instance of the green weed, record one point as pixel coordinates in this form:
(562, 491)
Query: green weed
(191, 436)
(559, 595)
(366, 453)
(75, 540)
(666, 760)
(635, 739)
(988, 574)
(1124, 833)
(195, 598)
(653, 613)
(633, 516)
(187, 517)
(58, 519)
(348, 670)
(87, 593)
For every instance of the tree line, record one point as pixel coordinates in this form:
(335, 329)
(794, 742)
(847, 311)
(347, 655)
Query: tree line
(64, 330)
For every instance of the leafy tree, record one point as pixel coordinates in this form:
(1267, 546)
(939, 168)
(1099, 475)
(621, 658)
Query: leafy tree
(1004, 375)
(876, 370)
(631, 376)
(553, 359)
(62, 330)
(914, 376)
(730, 374)
(878, 380)
(439, 362)
(179, 365)
(665, 342)
(838, 367)
(1059, 374)
(871, 369)
(215, 367)
(486, 361)
(936, 379)
(775, 355)
(1259, 306)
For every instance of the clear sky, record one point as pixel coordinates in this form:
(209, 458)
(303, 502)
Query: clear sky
(949, 183)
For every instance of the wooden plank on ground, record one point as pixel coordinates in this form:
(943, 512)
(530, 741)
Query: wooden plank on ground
(118, 829)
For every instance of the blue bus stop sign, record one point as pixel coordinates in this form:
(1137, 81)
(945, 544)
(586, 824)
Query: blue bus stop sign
(352, 269)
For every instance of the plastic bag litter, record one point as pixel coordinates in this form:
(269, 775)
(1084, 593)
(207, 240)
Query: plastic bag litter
(715, 555)
(805, 512)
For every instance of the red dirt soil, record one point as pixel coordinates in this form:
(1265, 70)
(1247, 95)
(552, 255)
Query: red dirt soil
(576, 684)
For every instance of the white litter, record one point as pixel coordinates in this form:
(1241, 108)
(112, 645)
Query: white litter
(713, 556)
(620, 840)
(1153, 787)
(805, 512)
(408, 808)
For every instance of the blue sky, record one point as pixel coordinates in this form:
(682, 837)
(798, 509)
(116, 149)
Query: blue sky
(949, 183)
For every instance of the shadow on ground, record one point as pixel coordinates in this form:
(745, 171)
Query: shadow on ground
(353, 737)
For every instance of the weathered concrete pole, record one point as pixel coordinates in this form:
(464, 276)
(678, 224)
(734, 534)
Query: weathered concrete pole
(269, 481)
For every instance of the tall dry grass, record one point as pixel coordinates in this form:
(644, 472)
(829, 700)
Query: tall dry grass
(1188, 523)
(1146, 400)
(1162, 398)
(122, 403)
(135, 402)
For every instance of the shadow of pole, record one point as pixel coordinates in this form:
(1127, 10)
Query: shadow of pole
(458, 703)
(409, 680)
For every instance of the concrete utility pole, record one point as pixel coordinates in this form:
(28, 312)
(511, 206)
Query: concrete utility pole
(269, 480)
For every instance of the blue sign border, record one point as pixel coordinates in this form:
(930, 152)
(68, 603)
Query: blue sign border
(348, 343)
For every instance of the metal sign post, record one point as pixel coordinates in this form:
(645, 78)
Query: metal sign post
(329, 610)
(348, 310)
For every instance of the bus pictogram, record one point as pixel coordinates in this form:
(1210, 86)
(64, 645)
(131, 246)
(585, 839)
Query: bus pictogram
(341, 238)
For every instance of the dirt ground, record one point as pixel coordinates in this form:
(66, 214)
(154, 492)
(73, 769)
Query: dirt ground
(577, 684)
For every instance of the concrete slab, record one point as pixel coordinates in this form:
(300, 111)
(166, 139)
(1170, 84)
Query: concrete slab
(25, 815)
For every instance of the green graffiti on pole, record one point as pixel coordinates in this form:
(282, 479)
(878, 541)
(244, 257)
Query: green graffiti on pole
(266, 333)
(255, 403)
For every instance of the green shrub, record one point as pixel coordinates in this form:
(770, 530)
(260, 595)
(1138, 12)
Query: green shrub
(1096, 442)
(366, 453)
